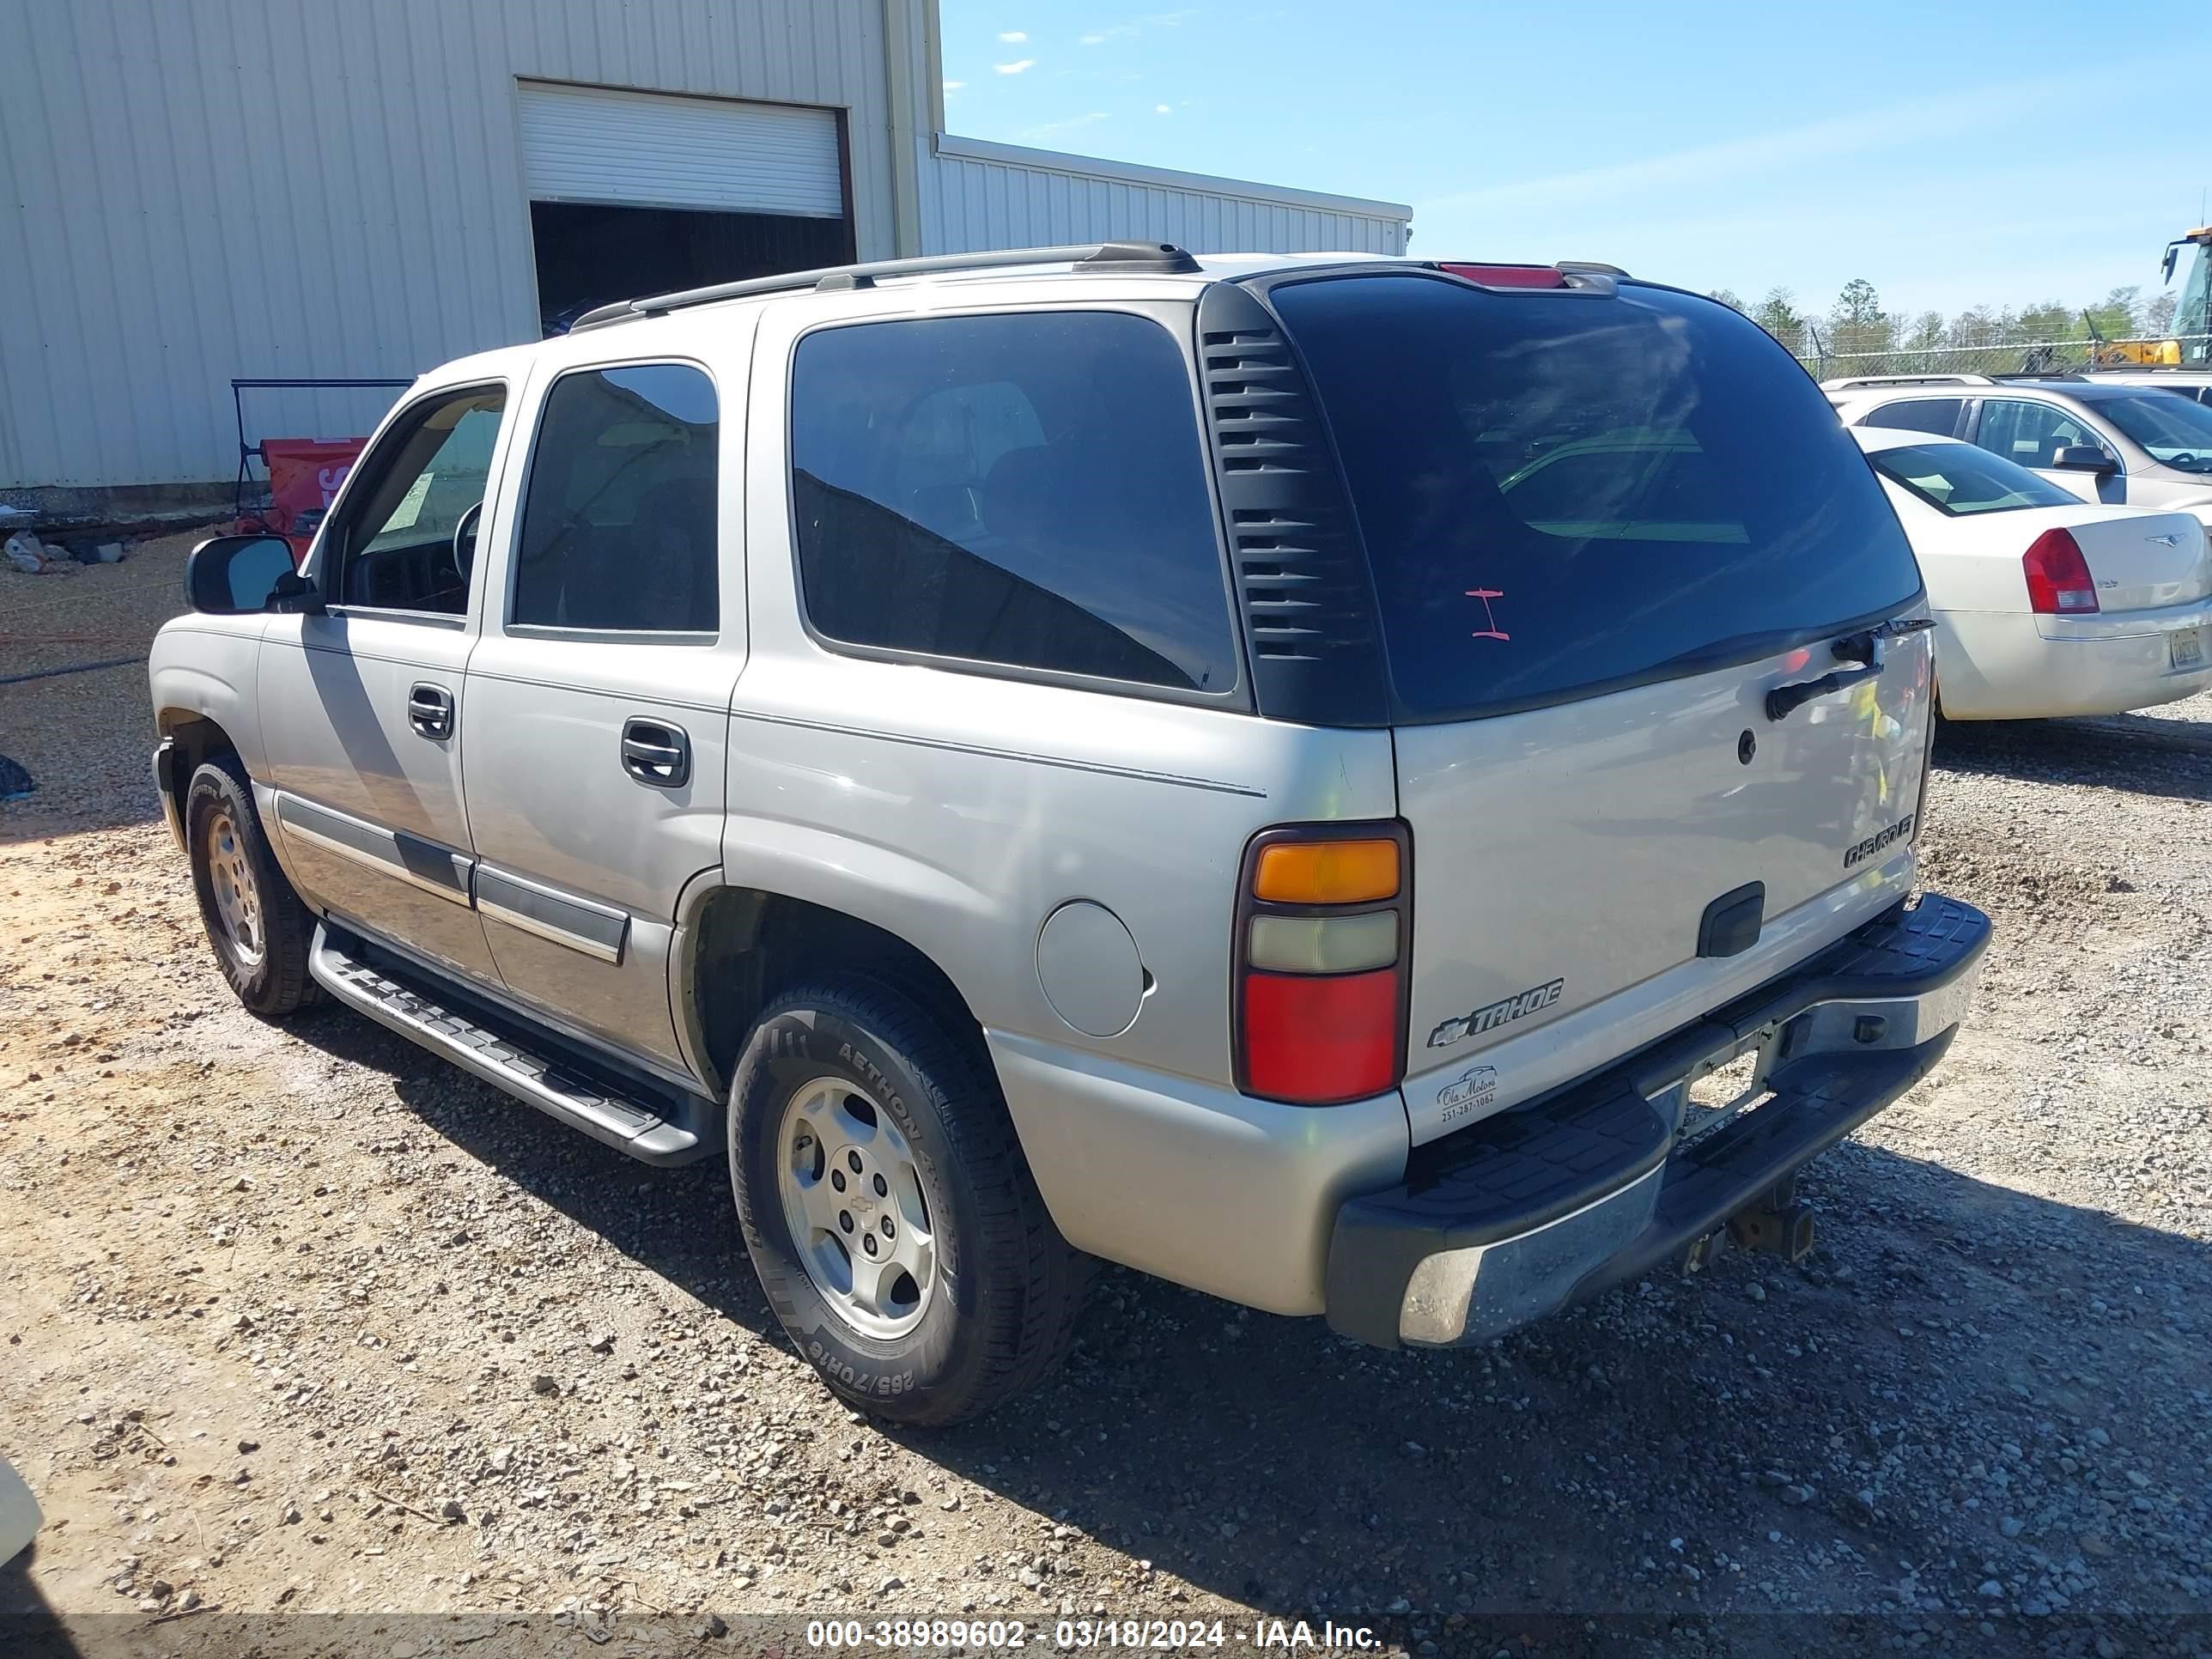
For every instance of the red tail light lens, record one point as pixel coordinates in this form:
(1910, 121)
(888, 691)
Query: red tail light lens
(1320, 1039)
(2058, 579)
(1323, 928)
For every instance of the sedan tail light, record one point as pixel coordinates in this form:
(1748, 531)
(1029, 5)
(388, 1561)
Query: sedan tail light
(2058, 579)
(1323, 933)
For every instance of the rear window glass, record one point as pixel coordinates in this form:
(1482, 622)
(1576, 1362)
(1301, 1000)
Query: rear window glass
(1564, 495)
(1959, 479)
(1027, 489)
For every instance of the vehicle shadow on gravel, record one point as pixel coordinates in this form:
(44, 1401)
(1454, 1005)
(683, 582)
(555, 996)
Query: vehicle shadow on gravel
(27, 1624)
(2139, 753)
(1927, 1388)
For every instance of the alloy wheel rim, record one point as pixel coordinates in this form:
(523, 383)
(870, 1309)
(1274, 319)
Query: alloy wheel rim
(852, 1201)
(237, 899)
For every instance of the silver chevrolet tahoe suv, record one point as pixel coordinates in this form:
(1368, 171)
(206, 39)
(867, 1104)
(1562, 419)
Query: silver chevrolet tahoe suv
(1280, 772)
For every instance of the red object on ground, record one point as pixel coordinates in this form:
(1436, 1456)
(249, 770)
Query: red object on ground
(304, 476)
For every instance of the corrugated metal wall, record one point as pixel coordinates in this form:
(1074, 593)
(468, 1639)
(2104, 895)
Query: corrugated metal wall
(191, 191)
(977, 195)
(195, 190)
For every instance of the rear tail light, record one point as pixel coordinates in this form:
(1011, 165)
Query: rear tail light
(1323, 931)
(2058, 581)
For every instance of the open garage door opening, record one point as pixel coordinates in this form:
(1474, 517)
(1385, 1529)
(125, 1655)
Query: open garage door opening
(634, 193)
(590, 254)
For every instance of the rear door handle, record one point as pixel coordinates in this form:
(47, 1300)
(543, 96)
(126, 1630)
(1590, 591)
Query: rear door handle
(655, 753)
(430, 709)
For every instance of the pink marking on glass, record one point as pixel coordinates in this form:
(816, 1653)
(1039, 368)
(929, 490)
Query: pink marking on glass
(1486, 594)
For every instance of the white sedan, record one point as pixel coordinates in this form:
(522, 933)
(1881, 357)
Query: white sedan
(2045, 604)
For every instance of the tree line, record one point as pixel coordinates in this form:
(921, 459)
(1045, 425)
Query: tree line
(1858, 326)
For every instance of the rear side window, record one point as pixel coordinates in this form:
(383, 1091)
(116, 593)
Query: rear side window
(618, 525)
(1960, 479)
(1562, 494)
(1026, 489)
(1938, 414)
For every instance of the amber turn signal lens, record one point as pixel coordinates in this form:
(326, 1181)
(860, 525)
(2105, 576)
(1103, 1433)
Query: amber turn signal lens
(1326, 871)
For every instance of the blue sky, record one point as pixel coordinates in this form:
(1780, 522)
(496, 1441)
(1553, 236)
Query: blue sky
(1952, 153)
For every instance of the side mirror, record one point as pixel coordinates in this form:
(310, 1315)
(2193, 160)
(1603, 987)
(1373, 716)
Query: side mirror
(2083, 458)
(238, 575)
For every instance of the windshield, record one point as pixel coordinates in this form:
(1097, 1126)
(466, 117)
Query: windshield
(1566, 494)
(2176, 431)
(1959, 479)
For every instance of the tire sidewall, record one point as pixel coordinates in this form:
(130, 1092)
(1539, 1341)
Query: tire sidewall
(794, 1043)
(213, 789)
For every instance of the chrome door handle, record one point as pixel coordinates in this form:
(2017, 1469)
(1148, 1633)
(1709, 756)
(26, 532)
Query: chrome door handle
(430, 709)
(655, 753)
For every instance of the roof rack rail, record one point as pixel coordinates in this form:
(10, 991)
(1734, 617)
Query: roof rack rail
(1852, 382)
(2040, 375)
(1162, 257)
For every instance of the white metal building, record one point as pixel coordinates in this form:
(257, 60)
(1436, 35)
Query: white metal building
(192, 192)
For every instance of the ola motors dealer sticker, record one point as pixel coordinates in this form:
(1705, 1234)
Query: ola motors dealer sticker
(1473, 1090)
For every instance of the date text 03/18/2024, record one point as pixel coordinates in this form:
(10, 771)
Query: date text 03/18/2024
(1147, 1635)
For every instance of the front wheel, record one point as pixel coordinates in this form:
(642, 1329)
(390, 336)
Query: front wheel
(889, 1212)
(259, 929)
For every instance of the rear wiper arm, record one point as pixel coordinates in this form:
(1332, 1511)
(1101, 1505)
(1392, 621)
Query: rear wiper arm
(1864, 648)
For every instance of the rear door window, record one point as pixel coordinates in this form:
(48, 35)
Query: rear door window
(1026, 490)
(619, 523)
(1938, 414)
(1564, 493)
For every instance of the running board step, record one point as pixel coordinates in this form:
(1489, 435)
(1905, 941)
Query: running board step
(531, 1069)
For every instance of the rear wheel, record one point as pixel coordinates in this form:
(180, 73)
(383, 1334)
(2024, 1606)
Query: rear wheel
(257, 924)
(890, 1215)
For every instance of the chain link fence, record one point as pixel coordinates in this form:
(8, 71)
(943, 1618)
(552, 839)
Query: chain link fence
(1827, 358)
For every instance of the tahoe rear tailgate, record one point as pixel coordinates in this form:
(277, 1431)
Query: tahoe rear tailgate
(1603, 522)
(1565, 860)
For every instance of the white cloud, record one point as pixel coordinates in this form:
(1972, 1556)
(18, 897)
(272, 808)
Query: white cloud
(1038, 134)
(1161, 19)
(1020, 65)
(954, 86)
(1704, 165)
(1163, 109)
(1014, 37)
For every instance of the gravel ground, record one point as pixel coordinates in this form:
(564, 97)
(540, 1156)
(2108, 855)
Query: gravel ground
(315, 1344)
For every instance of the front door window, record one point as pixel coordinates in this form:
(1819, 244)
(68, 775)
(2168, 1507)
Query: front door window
(408, 537)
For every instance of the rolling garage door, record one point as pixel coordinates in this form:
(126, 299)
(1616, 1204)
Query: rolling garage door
(649, 149)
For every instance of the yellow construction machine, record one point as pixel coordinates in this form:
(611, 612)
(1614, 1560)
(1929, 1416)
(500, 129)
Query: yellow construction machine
(2185, 347)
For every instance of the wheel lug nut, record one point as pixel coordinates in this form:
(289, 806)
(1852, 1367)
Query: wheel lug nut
(883, 1187)
(869, 1244)
(854, 1158)
(845, 1219)
(837, 1179)
(887, 1227)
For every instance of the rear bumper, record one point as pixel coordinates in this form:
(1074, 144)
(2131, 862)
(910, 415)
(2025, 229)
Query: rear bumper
(1528, 1211)
(2026, 668)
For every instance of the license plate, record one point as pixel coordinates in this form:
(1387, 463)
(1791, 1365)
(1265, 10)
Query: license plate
(2186, 648)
